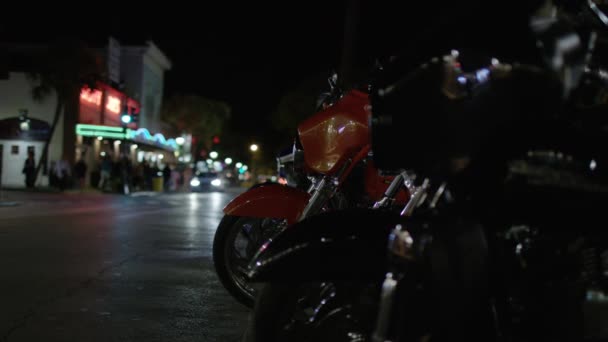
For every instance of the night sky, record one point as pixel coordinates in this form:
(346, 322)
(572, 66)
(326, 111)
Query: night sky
(248, 55)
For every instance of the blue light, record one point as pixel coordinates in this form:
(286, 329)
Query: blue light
(143, 134)
(126, 118)
(462, 80)
(483, 75)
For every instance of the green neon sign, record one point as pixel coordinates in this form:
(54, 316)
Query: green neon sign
(100, 131)
(139, 135)
(98, 127)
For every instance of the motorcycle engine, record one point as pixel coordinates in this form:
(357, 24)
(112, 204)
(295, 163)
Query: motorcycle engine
(554, 262)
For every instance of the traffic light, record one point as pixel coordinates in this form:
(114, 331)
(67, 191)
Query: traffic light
(125, 116)
(134, 114)
(129, 115)
(216, 139)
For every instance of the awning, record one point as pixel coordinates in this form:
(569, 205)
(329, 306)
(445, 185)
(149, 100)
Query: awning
(24, 129)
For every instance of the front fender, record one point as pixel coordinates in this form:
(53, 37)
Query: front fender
(269, 200)
(341, 245)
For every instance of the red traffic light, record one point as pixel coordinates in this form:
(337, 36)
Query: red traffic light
(216, 139)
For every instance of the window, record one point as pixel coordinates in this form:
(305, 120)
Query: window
(15, 149)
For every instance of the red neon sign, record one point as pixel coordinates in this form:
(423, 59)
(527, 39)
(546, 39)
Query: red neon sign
(113, 104)
(91, 96)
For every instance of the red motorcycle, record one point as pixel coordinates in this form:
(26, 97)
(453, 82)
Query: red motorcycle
(331, 151)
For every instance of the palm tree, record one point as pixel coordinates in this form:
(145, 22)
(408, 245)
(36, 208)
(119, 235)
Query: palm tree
(63, 68)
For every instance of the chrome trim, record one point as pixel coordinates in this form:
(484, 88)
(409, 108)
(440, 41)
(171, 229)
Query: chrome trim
(389, 288)
(401, 243)
(437, 195)
(390, 192)
(598, 12)
(286, 158)
(319, 192)
(416, 196)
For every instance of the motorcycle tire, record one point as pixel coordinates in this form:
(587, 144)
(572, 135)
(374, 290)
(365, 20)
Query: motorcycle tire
(224, 235)
(271, 308)
(232, 231)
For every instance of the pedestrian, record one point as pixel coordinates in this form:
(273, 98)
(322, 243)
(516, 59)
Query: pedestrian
(105, 172)
(166, 176)
(80, 171)
(126, 173)
(29, 170)
(52, 175)
(62, 170)
(138, 178)
(175, 179)
(186, 177)
(148, 175)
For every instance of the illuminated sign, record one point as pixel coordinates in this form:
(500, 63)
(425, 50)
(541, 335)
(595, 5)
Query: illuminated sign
(113, 104)
(100, 131)
(91, 96)
(144, 135)
(139, 135)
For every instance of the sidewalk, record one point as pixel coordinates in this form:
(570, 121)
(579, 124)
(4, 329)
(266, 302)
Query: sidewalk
(15, 196)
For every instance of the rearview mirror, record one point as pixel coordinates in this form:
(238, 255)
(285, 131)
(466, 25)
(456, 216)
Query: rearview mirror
(333, 80)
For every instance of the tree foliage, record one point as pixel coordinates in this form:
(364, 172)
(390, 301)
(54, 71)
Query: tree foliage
(62, 69)
(197, 115)
(298, 104)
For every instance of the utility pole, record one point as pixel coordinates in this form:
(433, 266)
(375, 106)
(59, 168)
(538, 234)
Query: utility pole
(125, 119)
(347, 63)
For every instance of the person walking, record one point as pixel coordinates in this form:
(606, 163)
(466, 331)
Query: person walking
(80, 171)
(62, 170)
(29, 170)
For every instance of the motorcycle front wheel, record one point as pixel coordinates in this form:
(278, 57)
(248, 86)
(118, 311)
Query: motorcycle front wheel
(306, 312)
(236, 241)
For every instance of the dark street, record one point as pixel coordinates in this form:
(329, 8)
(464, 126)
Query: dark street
(92, 267)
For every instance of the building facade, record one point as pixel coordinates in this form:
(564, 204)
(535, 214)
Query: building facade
(24, 126)
(25, 123)
(143, 73)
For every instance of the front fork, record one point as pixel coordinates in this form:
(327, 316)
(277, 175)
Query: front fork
(400, 253)
(403, 179)
(321, 191)
(400, 248)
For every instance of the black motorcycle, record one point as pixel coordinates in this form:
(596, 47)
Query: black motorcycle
(506, 238)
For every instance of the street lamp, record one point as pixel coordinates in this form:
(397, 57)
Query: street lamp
(254, 159)
(213, 154)
(228, 161)
(239, 165)
(180, 140)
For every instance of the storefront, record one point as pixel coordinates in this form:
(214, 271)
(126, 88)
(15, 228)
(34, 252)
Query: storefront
(102, 107)
(139, 145)
(18, 137)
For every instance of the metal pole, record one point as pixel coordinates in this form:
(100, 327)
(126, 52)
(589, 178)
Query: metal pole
(1, 162)
(124, 162)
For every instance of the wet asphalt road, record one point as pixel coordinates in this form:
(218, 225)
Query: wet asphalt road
(92, 267)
